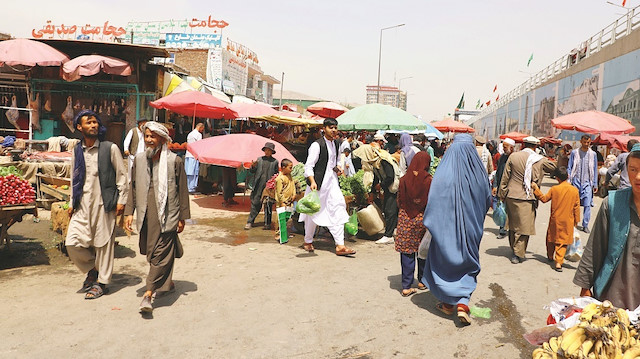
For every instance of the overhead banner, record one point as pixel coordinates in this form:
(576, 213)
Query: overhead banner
(203, 33)
(104, 32)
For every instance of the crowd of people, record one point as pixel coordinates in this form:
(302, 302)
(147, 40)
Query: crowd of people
(412, 179)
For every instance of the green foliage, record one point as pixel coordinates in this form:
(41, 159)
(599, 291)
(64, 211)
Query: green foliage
(354, 186)
(298, 174)
(11, 170)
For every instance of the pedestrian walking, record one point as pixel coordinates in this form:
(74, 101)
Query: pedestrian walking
(507, 149)
(522, 168)
(620, 165)
(583, 174)
(565, 215)
(160, 197)
(459, 199)
(99, 195)
(322, 171)
(413, 193)
(263, 169)
(134, 143)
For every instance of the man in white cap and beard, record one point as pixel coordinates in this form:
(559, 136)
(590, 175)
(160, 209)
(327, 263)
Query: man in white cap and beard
(515, 191)
(160, 196)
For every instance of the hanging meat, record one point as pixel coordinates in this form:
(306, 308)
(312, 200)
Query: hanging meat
(67, 115)
(12, 114)
(34, 105)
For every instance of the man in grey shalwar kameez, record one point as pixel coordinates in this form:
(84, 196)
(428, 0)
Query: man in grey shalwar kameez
(99, 193)
(160, 195)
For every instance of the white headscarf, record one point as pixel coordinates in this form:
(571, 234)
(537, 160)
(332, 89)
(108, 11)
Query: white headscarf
(163, 179)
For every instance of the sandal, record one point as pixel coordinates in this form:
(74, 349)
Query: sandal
(92, 278)
(445, 308)
(408, 292)
(97, 290)
(422, 286)
(345, 252)
(308, 247)
(463, 314)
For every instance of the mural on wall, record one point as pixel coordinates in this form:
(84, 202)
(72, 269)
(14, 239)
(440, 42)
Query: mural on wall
(513, 116)
(501, 120)
(621, 88)
(544, 110)
(526, 113)
(579, 92)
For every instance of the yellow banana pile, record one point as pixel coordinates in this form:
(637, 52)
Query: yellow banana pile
(603, 332)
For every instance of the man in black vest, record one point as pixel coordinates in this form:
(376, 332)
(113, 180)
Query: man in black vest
(322, 171)
(99, 194)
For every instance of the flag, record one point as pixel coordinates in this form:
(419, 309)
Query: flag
(624, 2)
(478, 104)
(461, 103)
(495, 88)
(531, 57)
(481, 106)
(488, 102)
(497, 97)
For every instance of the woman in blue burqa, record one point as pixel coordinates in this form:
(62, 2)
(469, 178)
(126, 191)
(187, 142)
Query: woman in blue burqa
(458, 202)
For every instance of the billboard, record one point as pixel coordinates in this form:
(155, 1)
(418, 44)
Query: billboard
(227, 72)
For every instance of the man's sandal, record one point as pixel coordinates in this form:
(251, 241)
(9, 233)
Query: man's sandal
(97, 290)
(445, 308)
(408, 292)
(308, 247)
(463, 314)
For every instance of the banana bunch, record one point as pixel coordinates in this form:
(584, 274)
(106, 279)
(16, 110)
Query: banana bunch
(603, 332)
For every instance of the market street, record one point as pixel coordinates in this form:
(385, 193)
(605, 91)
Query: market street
(240, 294)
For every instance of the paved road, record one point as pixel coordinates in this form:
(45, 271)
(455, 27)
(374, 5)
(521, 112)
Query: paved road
(241, 295)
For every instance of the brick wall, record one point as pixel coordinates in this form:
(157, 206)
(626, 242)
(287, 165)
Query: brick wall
(194, 61)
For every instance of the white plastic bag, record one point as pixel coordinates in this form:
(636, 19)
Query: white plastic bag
(574, 251)
(423, 249)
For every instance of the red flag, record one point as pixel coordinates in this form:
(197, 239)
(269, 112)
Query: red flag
(495, 88)
(624, 2)
(497, 98)
(488, 102)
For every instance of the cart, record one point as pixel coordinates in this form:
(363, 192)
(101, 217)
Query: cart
(49, 189)
(12, 214)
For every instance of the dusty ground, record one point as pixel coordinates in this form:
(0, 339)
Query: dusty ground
(242, 295)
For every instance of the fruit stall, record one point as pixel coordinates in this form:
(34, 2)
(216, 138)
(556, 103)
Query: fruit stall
(17, 198)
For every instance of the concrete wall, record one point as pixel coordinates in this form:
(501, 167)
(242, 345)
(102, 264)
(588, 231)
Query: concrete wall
(607, 81)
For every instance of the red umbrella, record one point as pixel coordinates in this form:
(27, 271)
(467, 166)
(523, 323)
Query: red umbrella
(327, 109)
(29, 53)
(88, 65)
(253, 110)
(516, 136)
(196, 104)
(450, 125)
(554, 141)
(593, 122)
(235, 150)
(615, 141)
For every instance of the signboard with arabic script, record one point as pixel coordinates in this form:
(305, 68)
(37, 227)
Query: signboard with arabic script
(103, 32)
(157, 32)
(193, 41)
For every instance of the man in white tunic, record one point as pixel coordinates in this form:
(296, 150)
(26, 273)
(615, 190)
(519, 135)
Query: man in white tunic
(192, 166)
(99, 194)
(134, 143)
(322, 174)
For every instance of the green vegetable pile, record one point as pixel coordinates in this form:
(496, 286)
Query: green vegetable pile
(298, 174)
(353, 186)
(11, 170)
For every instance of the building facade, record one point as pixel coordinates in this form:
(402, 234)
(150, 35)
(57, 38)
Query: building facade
(389, 95)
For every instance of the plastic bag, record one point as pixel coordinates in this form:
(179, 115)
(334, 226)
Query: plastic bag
(500, 215)
(309, 204)
(574, 250)
(423, 249)
(352, 226)
(480, 312)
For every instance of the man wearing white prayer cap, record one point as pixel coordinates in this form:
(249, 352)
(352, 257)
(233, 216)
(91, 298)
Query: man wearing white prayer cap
(160, 196)
(520, 170)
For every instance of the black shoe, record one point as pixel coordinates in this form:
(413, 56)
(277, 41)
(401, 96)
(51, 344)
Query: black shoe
(558, 269)
(580, 228)
(586, 230)
(501, 235)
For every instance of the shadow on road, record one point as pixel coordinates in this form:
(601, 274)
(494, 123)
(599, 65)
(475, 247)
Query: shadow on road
(428, 301)
(183, 287)
(121, 280)
(502, 251)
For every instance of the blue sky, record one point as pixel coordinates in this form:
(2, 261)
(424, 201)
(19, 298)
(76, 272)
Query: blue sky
(329, 48)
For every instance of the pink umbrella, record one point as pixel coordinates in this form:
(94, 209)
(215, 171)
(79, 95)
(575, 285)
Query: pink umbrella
(253, 110)
(88, 65)
(593, 122)
(327, 109)
(235, 150)
(29, 53)
(516, 136)
(451, 125)
(196, 104)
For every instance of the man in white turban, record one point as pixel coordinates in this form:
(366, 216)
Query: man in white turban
(160, 197)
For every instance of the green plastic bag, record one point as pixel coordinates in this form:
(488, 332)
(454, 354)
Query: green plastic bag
(352, 226)
(309, 204)
(480, 312)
